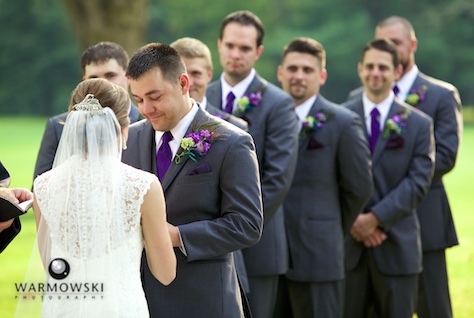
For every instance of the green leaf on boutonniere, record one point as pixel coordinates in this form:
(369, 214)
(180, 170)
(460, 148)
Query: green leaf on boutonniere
(312, 124)
(247, 103)
(416, 96)
(396, 124)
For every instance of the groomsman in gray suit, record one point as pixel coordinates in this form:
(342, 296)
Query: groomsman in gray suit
(332, 183)
(440, 101)
(383, 250)
(211, 187)
(197, 58)
(107, 60)
(272, 123)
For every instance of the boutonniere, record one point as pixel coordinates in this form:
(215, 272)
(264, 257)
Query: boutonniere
(395, 125)
(417, 95)
(247, 103)
(312, 124)
(195, 145)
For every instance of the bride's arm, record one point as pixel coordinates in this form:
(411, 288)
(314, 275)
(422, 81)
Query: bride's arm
(159, 250)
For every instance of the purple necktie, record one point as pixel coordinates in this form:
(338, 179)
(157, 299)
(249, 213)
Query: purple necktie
(163, 156)
(396, 90)
(229, 106)
(374, 128)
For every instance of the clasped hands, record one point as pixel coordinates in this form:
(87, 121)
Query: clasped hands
(366, 229)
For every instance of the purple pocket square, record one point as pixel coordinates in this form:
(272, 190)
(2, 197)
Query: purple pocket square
(314, 144)
(395, 143)
(201, 169)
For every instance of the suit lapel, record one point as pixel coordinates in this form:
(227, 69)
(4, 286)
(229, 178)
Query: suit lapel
(359, 109)
(214, 97)
(257, 84)
(419, 81)
(416, 83)
(147, 153)
(175, 168)
(317, 107)
(382, 142)
(214, 94)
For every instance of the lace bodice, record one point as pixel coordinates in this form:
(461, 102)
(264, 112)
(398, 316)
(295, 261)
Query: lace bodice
(101, 239)
(79, 231)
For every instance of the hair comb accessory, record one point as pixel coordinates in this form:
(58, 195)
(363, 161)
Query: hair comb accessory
(91, 105)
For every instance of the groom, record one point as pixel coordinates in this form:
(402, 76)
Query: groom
(213, 201)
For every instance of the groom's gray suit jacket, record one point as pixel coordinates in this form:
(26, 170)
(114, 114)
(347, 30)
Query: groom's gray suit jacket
(216, 204)
(402, 168)
(236, 121)
(273, 126)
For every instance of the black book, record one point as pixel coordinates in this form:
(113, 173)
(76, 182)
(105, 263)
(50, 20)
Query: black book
(10, 210)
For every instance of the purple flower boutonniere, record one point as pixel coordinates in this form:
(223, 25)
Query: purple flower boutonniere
(312, 124)
(246, 103)
(195, 145)
(417, 95)
(395, 125)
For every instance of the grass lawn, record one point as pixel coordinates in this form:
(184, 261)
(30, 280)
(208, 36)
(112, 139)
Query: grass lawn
(19, 144)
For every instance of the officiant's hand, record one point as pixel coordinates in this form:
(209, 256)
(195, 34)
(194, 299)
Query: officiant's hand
(16, 195)
(6, 224)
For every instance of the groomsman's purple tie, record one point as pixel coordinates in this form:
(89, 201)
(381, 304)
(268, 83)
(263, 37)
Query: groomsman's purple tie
(163, 156)
(375, 128)
(229, 106)
(396, 90)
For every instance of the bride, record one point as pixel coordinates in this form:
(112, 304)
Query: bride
(95, 215)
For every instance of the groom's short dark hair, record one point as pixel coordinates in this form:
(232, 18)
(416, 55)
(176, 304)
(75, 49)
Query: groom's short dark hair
(156, 55)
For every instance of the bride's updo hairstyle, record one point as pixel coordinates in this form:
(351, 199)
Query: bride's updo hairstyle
(95, 126)
(108, 94)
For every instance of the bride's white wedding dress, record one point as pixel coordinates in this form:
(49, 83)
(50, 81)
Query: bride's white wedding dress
(101, 241)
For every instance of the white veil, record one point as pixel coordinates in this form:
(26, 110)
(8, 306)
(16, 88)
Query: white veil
(91, 132)
(81, 226)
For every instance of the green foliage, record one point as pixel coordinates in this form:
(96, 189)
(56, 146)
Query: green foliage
(40, 55)
(39, 58)
(342, 26)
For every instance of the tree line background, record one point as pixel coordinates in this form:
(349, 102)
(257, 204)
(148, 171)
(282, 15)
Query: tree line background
(42, 40)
